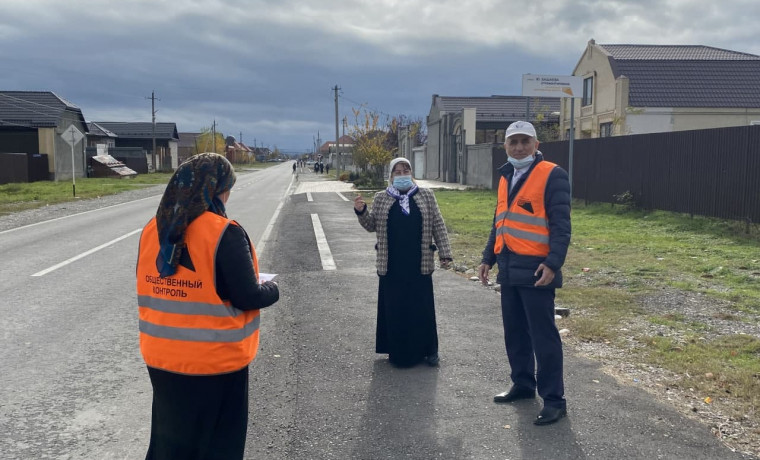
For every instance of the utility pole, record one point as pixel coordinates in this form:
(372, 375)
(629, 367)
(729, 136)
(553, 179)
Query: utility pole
(153, 114)
(344, 134)
(213, 135)
(336, 128)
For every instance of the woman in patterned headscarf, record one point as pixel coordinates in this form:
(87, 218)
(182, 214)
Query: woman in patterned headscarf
(199, 295)
(406, 220)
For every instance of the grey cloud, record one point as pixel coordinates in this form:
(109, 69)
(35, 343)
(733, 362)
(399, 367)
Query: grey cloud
(266, 67)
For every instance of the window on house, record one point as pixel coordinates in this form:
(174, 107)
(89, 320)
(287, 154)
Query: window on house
(605, 129)
(588, 90)
(488, 136)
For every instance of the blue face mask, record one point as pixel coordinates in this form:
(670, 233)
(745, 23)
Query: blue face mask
(402, 183)
(520, 164)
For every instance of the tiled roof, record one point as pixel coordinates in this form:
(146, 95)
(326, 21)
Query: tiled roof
(140, 130)
(497, 108)
(34, 109)
(187, 139)
(97, 130)
(675, 52)
(687, 76)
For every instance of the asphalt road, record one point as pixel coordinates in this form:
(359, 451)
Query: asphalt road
(74, 386)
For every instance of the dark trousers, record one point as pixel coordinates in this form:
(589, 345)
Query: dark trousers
(198, 417)
(534, 347)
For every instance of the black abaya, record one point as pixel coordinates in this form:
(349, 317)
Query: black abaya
(406, 327)
(198, 417)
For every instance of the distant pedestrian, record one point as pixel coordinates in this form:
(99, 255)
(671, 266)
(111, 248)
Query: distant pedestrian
(294, 167)
(321, 167)
(199, 299)
(529, 240)
(327, 168)
(406, 220)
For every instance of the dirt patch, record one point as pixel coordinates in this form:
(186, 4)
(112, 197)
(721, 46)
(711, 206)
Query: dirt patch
(727, 419)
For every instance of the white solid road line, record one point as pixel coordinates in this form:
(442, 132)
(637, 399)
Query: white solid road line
(85, 254)
(261, 243)
(324, 249)
(308, 197)
(341, 195)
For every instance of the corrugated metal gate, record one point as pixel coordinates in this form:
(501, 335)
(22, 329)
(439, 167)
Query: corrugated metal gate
(710, 172)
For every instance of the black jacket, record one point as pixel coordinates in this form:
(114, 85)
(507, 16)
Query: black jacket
(235, 276)
(516, 269)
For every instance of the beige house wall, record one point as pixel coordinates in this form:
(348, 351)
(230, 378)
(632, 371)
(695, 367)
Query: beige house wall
(46, 141)
(606, 94)
(667, 119)
(691, 118)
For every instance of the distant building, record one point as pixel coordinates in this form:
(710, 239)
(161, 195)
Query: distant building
(140, 134)
(34, 122)
(638, 89)
(345, 144)
(456, 122)
(100, 138)
(187, 146)
(237, 152)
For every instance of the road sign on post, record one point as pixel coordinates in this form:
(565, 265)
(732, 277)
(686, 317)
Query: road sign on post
(72, 136)
(557, 86)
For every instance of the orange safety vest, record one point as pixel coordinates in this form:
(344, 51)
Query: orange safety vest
(523, 227)
(185, 327)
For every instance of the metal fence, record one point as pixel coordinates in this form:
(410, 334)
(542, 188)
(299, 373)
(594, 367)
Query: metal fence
(23, 167)
(709, 172)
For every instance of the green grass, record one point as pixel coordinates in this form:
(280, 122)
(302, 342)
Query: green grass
(618, 255)
(16, 197)
(727, 367)
(20, 196)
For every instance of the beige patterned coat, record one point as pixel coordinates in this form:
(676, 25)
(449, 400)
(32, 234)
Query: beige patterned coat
(433, 228)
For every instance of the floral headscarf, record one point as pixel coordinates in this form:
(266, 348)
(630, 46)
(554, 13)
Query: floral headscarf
(193, 189)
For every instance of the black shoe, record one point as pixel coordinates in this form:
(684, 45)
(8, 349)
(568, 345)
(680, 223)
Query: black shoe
(432, 360)
(549, 415)
(514, 394)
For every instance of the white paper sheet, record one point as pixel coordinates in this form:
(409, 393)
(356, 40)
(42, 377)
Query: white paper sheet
(266, 277)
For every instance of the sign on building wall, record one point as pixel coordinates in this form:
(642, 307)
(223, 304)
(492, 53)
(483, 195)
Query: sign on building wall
(552, 85)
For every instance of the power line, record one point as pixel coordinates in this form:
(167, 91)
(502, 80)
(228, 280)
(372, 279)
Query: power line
(365, 104)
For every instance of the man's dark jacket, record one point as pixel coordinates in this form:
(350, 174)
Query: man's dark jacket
(517, 269)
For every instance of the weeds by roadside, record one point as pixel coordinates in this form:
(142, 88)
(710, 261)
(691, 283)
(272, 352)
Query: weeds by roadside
(16, 197)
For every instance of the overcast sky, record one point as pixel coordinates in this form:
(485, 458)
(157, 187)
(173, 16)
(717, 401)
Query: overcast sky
(266, 68)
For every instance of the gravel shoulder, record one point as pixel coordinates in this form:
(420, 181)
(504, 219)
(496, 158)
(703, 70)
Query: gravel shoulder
(727, 421)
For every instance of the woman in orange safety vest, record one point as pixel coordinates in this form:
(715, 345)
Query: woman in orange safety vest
(199, 298)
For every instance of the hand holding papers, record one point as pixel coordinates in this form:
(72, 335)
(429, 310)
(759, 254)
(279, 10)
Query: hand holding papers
(266, 277)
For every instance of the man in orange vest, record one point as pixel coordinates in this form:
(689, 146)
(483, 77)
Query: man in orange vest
(529, 241)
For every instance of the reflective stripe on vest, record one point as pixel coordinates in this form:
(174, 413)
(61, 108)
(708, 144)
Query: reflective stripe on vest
(523, 227)
(185, 327)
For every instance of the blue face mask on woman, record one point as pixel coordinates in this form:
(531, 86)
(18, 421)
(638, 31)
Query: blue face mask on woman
(402, 183)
